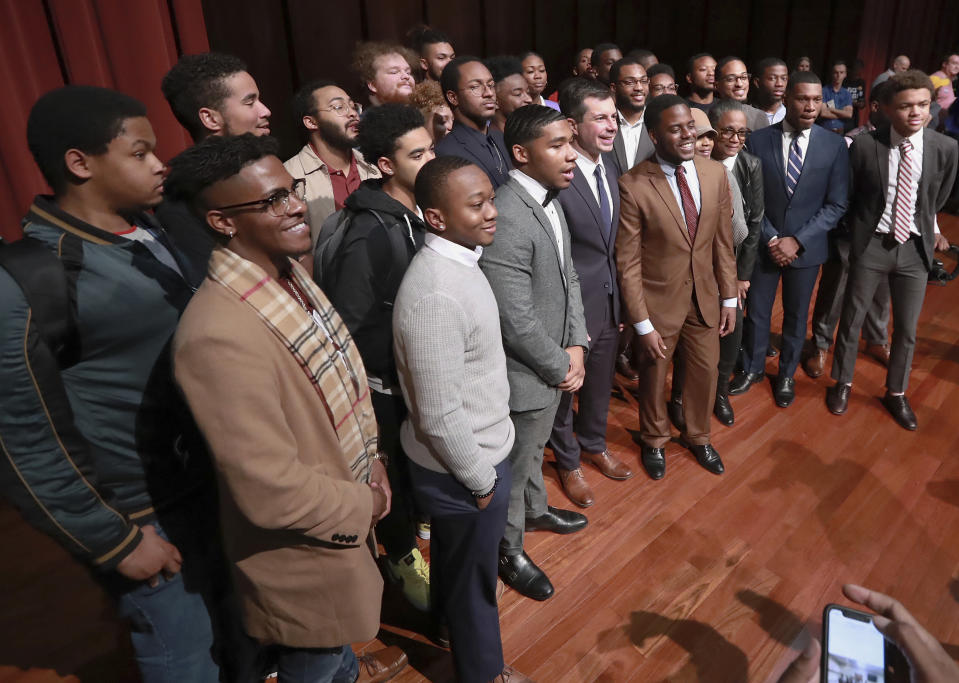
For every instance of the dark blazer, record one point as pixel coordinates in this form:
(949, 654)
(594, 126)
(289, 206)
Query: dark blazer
(594, 256)
(468, 144)
(821, 195)
(644, 149)
(540, 309)
(869, 163)
(748, 171)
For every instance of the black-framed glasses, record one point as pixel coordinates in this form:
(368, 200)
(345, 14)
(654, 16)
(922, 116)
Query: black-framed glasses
(477, 89)
(732, 78)
(341, 109)
(631, 82)
(659, 89)
(728, 133)
(278, 203)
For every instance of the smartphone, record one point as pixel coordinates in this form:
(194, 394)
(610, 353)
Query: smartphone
(854, 651)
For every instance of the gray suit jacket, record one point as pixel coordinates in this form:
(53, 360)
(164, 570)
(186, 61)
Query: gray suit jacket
(869, 166)
(644, 150)
(540, 309)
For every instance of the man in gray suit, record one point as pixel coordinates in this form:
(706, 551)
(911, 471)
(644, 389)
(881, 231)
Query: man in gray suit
(530, 268)
(902, 174)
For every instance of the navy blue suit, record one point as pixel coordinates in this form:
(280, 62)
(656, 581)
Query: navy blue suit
(486, 150)
(595, 262)
(819, 201)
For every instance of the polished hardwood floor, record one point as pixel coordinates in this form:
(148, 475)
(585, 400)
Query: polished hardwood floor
(692, 578)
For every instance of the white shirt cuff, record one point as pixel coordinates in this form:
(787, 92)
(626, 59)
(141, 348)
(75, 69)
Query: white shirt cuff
(935, 224)
(643, 327)
(730, 303)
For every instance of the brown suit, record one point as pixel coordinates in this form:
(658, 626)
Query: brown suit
(677, 285)
(294, 520)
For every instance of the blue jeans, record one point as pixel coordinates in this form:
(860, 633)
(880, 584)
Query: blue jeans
(317, 665)
(170, 624)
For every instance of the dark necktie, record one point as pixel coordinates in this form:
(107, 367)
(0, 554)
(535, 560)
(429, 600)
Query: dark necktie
(794, 167)
(604, 209)
(689, 204)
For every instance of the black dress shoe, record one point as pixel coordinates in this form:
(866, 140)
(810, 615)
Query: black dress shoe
(708, 457)
(723, 410)
(743, 380)
(898, 407)
(837, 398)
(674, 409)
(654, 461)
(784, 391)
(771, 351)
(558, 521)
(523, 576)
(625, 367)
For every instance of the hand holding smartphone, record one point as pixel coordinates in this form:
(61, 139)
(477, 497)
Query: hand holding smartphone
(854, 651)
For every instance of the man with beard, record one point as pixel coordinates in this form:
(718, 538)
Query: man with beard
(385, 72)
(630, 85)
(530, 268)
(732, 83)
(769, 85)
(329, 164)
(471, 92)
(701, 76)
(512, 90)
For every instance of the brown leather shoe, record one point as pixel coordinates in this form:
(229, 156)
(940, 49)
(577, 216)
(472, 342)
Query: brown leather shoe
(879, 351)
(576, 487)
(511, 675)
(608, 464)
(625, 367)
(381, 665)
(814, 362)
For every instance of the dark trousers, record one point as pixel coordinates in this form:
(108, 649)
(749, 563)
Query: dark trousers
(904, 268)
(798, 284)
(698, 345)
(829, 301)
(527, 495)
(396, 531)
(464, 552)
(589, 422)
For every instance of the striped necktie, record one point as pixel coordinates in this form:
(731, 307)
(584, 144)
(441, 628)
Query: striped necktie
(794, 167)
(689, 204)
(905, 199)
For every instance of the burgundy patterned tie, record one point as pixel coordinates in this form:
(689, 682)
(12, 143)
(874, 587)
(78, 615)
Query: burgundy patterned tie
(689, 205)
(905, 201)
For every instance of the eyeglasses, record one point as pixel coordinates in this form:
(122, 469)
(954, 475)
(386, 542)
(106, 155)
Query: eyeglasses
(341, 109)
(730, 133)
(660, 89)
(631, 82)
(278, 203)
(732, 78)
(477, 89)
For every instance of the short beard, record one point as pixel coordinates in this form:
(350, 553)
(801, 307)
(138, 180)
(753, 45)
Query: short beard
(334, 135)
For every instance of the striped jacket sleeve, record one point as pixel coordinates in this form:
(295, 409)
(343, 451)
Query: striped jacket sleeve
(46, 470)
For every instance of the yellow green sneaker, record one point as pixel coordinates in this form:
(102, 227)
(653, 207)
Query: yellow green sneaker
(413, 573)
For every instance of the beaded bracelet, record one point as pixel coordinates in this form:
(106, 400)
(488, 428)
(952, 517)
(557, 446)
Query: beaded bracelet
(490, 492)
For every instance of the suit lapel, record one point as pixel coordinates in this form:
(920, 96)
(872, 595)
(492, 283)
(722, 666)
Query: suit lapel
(543, 220)
(619, 150)
(929, 166)
(661, 185)
(882, 160)
(776, 141)
(581, 186)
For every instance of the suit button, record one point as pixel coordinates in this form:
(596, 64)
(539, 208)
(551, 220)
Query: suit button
(688, 282)
(353, 538)
(606, 285)
(336, 538)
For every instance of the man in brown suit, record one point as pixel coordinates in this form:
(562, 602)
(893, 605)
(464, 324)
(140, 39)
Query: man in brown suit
(279, 391)
(677, 272)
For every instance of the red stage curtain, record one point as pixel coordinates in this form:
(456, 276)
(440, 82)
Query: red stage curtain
(112, 43)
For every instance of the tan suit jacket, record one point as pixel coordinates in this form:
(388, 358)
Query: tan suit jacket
(294, 520)
(319, 189)
(660, 269)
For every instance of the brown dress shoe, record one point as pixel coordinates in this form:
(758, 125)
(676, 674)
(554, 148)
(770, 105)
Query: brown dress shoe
(381, 665)
(625, 367)
(608, 464)
(511, 675)
(880, 352)
(576, 487)
(814, 362)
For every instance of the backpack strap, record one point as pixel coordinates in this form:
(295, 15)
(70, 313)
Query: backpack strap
(399, 246)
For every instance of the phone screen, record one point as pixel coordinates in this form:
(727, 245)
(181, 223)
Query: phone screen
(855, 650)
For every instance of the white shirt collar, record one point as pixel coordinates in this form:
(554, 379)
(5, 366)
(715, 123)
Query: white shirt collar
(452, 250)
(534, 187)
(669, 168)
(729, 162)
(623, 123)
(789, 130)
(895, 139)
(587, 165)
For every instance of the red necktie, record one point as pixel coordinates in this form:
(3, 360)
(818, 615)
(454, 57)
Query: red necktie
(905, 202)
(689, 205)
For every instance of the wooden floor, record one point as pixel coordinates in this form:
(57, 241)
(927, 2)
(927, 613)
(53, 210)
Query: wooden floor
(692, 578)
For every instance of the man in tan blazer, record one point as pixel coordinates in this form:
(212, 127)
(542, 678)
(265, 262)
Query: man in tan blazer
(280, 394)
(674, 251)
(329, 164)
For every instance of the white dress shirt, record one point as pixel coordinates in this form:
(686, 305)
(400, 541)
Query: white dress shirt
(788, 131)
(632, 132)
(729, 162)
(777, 115)
(452, 250)
(588, 168)
(887, 220)
(538, 193)
(644, 327)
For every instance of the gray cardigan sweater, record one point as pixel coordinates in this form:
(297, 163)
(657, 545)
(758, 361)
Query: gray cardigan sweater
(452, 368)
